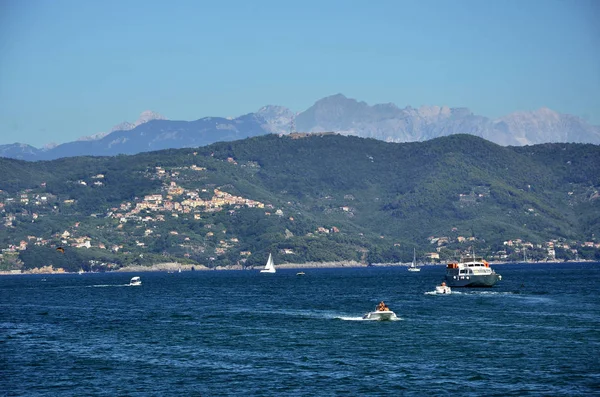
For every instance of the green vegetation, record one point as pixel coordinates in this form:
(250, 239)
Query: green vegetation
(318, 198)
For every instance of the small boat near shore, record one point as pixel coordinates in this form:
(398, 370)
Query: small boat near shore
(135, 281)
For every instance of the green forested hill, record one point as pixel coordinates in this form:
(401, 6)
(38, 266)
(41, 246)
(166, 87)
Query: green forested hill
(326, 197)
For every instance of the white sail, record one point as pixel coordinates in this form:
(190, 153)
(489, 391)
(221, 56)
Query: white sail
(413, 266)
(270, 266)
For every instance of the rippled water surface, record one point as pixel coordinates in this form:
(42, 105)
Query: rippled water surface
(537, 332)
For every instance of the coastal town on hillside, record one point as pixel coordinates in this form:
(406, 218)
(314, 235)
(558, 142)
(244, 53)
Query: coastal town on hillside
(174, 201)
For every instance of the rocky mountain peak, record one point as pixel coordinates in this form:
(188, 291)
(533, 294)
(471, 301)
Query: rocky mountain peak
(277, 118)
(124, 126)
(389, 123)
(274, 111)
(148, 115)
(94, 137)
(337, 99)
(145, 117)
(434, 111)
(546, 125)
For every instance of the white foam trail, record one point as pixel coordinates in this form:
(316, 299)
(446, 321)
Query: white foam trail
(344, 318)
(435, 293)
(492, 293)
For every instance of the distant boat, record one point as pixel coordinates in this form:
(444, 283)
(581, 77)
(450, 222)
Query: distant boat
(300, 274)
(413, 266)
(135, 281)
(270, 266)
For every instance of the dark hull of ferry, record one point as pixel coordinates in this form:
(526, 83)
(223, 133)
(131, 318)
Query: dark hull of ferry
(470, 281)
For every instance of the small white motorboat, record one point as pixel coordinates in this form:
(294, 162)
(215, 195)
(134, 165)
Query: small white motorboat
(442, 289)
(380, 315)
(300, 274)
(381, 312)
(135, 281)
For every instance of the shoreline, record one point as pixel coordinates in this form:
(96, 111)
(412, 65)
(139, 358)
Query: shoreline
(173, 267)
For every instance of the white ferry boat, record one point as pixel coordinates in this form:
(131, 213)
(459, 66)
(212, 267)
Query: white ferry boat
(471, 272)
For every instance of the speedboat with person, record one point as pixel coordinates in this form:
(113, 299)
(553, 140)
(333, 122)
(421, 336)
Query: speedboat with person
(135, 281)
(381, 313)
(443, 289)
(471, 271)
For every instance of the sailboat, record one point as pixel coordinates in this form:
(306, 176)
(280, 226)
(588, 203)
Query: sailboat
(413, 266)
(270, 266)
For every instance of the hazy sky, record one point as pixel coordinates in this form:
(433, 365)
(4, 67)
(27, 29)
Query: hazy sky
(75, 68)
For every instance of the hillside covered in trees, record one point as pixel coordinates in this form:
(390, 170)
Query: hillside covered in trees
(315, 197)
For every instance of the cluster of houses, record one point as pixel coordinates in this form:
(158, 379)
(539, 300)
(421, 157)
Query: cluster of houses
(517, 246)
(175, 200)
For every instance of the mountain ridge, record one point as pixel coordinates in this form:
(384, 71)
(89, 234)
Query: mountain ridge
(337, 113)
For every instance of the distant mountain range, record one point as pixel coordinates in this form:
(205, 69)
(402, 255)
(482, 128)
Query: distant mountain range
(335, 113)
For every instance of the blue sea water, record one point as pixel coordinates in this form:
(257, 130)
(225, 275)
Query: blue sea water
(537, 332)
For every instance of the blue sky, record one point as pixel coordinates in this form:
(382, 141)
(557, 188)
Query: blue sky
(75, 68)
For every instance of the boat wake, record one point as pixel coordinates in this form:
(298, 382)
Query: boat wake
(314, 315)
(534, 298)
(435, 293)
(491, 293)
(107, 285)
(344, 318)
(302, 313)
